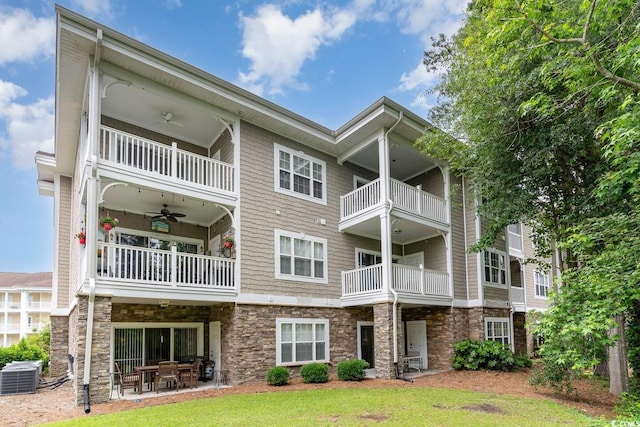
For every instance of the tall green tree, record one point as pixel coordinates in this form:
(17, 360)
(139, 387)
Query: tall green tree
(540, 101)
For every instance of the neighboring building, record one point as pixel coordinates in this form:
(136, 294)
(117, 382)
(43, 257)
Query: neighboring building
(343, 243)
(25, 305)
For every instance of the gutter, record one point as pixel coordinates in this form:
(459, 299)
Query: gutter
(92, 281)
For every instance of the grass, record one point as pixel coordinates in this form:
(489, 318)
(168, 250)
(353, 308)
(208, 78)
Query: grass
(349, 407)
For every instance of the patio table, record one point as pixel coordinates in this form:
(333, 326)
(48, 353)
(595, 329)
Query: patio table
(153, 369)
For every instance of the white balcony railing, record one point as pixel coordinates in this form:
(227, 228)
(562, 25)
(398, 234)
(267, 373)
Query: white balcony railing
(420, 202)
(516, 295)
(165, 267)
(403, 196)
(420, 281)
(406, 280)
(360, 199)
(154, 158)
(11, 327)
(38, 306)
(362, 280)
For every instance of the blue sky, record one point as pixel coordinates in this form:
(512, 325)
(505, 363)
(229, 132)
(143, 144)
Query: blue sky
(324, 60)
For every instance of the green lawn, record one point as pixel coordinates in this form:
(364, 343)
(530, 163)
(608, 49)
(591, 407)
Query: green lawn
(349, 407)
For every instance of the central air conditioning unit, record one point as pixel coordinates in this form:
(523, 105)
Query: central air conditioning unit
(20, 377)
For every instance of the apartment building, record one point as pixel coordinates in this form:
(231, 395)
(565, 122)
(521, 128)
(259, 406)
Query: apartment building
(250, 235)
(25, 304)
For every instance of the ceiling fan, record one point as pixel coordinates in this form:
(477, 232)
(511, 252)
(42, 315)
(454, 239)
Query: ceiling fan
(167, 119)
(166, 214)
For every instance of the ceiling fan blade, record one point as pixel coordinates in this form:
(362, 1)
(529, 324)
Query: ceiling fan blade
(171, 218)
(157, 216)
(178, 215)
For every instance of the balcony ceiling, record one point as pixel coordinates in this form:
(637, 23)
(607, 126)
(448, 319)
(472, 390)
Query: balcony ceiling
(143, 106)
(142, 200)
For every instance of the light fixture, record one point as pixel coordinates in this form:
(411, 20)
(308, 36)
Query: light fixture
(397, 231)
(163, 303)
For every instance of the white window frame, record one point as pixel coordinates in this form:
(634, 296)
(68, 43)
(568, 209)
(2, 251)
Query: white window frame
(488, 327)
(301, 236)
(289, 191)
(541, 284)
(501, 255)
(358, 179)
(298, 321)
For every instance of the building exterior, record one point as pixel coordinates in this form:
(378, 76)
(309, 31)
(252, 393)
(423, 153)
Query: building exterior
(251, 235)
(25, 304)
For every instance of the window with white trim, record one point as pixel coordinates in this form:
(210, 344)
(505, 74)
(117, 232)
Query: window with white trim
(497, 329)
(300, 341)
(299, 175)
(495, 270)
(300, 257)
(541, 282)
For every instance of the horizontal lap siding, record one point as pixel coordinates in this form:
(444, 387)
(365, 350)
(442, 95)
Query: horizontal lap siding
(259, 203)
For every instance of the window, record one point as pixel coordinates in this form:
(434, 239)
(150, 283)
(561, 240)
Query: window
(299, 175)
(541, 282)
(495, 272)
(497, 329)
(300, 257)
(300, 341)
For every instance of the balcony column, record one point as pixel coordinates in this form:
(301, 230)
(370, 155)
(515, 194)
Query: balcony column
(385, 216)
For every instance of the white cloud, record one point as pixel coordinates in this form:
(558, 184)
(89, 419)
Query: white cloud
(278, 45)
(418, 78)
(427, 18)
(95, 8)
(23, 37)
(29, 128)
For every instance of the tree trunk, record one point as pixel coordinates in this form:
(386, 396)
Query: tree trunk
(618, 366)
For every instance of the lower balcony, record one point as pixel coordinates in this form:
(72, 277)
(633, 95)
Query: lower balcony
(407, 281)
(166, 269)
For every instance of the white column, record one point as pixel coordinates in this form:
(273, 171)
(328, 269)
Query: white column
(385, 216)
(93, 183)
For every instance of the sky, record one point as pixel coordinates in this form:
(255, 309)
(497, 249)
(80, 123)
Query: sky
(325, 60)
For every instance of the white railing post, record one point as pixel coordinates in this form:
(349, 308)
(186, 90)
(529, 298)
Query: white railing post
(419, 198)
(174, 161)
(422, 289)
(174, 266)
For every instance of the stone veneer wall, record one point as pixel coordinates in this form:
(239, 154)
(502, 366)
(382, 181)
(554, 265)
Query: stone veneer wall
(383, 338)
(441, 333)
(249, 337)
(59, 347)
(73, 340)
(99, 374)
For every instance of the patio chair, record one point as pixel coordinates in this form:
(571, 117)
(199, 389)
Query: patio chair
(128, 380)
(168, 372)
(191, 377)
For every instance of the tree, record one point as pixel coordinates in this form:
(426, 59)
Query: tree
(544, 95)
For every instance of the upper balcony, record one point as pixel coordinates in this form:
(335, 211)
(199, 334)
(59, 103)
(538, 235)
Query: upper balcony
(167, 164)
(411, 203)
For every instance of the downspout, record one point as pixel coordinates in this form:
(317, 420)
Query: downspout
(92, 281)
(393, 291)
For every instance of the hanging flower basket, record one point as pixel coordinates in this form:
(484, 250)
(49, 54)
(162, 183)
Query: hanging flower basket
(107, 222)
(82, 238)
(228, 243)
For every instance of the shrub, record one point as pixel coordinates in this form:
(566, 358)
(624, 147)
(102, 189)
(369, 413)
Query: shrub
(629, 408)
(352, 370)
(278, 376)
(24, 350)
(315, 373)
(474, 355)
